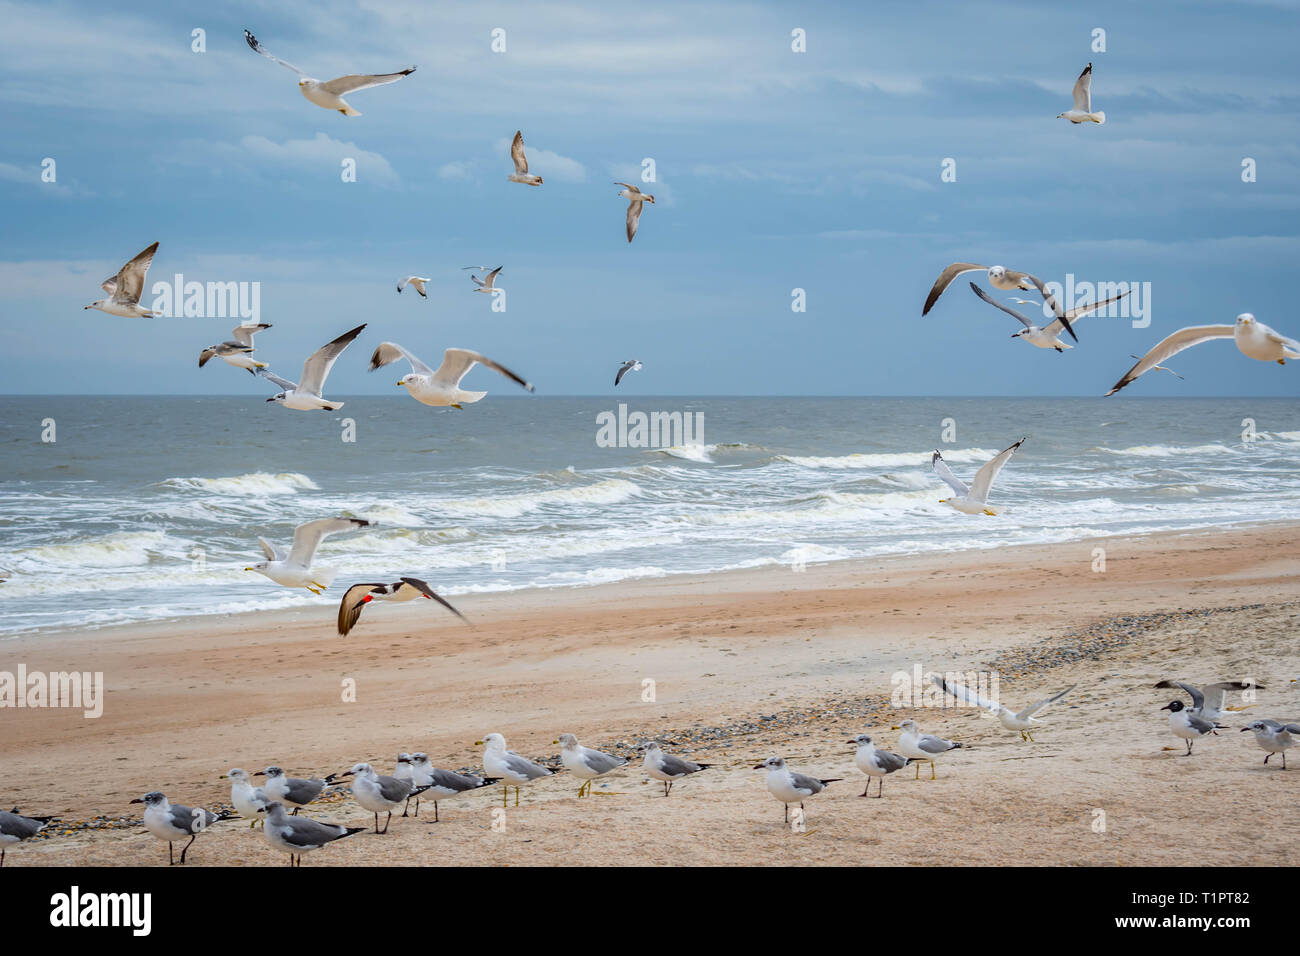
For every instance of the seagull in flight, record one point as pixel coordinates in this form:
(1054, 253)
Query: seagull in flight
(973, 500)
(306, 396)
(440, 388)
(237, 352)
(125, 288)
(329, 95)
(486, 284)
(294, 570)
(999, 277)
(521, 173)
(1022, 721)
(407, 589)
(1210, 701)
(635, 200)
(631, 365)
(1047, 337)
(1253, 339)
(1082, 111)
(415, 282)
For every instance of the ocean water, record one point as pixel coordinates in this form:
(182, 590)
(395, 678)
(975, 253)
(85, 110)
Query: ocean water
(147, 508)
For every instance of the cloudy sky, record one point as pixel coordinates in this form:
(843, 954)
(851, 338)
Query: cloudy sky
(775, 170)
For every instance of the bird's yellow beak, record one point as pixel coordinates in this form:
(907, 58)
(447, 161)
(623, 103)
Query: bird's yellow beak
(478, 743)
(399, 384)
(555, 741)
(248, 569)
(895, 728)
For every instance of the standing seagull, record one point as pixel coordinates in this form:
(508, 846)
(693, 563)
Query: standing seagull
(584, 763)
(918, 747)
(442, 783)
(1082, 111)
(125, 288)
(1189, 724)
(299, 836)
(999, 277)
(294, 790)
(415, 282)
(635, 200)
(1210, 701)
(1022, 721)
(294, 570)
(1048, 337)
(329, 95)
(790, 787)
(249, 801)
(171, 823)
(237, 352)
(876, 763)
(14, 828)
(407, 589)
(521, 173)
(973, 500)
(487, 284)
(440, 388)
(507, 766)
(1253, 339)
(377, 793)
(631, 365)
(306, 396)
(667, 768)
(1274, 737)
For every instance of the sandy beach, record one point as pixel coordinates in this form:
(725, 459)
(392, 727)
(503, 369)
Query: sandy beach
(744, 665)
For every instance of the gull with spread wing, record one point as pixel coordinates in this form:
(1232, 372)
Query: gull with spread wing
(1049, 336)
(329, 94)
(305, 396)
(440, 388)
(238, 351)
(1253, 339)
(975, 499)
(1022, 721)
(294, 570)
(125, 288)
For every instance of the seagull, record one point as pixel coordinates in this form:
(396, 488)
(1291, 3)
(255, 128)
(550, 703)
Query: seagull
(876, 763)
(973, 500)
(14, 828)
(1082, 111)
(306, 397)
(507, 766)
(521, 173)
(415, 282)
(474, 268)
(999, 277)
(1023, 301)
(1189, 724)
(631, 365)
(294, 790)
(1254, 340)
(486, 284)
(919, 747)
(170, 823)
(294, 570)
(443, 783)
(668, 769)
(440, 388)
(1047, 337)
(584, 763)
(1211, 705)
(790, 787)
(249, 801)
(125, 288)
(329, 95)
(1022, 721)
(635, 200)
(1274, 737)
(1158, 368)
(297, 836)
(407, 589)
(237, 352)
(379, 793)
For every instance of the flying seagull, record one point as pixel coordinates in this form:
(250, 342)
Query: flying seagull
(973, 500)
(15, 827)
(171, 822)
(507, 766)
(442, 783)
(521, 173)
(238, 351)
(999, 277)
(635, 200)
(790, 787)
(443, 386)
(584, 763)
(667, 768)
(631, 365)
(1022, 721)
(329, 95)
(415, 282)
(1210, 701)
(294, 570)
(1047, 337)
(1254, 340)
(407, 589)
(293, 790)
(125, 288)
(1082, 111)
(486, 284)
(876, 763)
(306, 395)
(921, 748)
(297, 836)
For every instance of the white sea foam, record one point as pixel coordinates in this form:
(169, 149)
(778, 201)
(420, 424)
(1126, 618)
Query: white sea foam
(254, 483)
(606, 492)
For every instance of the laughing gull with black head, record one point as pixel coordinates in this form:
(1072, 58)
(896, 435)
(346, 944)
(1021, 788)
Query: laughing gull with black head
(1189, 724)
(1274, 737)
(584, 763)
(300, 835)
(175, 822)
(790, 787)
(294, 791)
(379, 794)
(667, 768)
(507, 766)
(876, 763)
(14, 828)
(1210, 701)
(442, 783)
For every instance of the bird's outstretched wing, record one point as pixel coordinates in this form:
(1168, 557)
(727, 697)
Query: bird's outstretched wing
(983, 481)
(456, 363)
(387, 353)
(308, 535)
(284, 383)
(320, 362)
(945, 277)
(1005, 308)
(352, 604)
(1172, 345)
(243, 334)
(424, 589)
(129, 282)
(1035, 708)
(362, 81)
(271, 551)
(1083, 90)
(517, 154)
(965, 694)
(258, 48)
(943, 471)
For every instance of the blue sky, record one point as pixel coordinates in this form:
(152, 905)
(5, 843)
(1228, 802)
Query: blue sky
(776, 170)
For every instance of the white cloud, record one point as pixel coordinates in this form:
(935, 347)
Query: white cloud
(454, 171)
(324, 151)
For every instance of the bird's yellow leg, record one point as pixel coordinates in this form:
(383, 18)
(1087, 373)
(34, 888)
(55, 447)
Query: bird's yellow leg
(1030, 735)
(931, 769)
(991, 514)
(918, 771)
(505, 792)
(516, 796)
